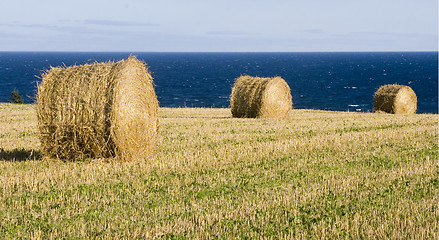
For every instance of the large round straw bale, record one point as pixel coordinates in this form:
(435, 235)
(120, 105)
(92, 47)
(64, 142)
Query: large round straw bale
(260, 97)
(394, 98)
(99, 110)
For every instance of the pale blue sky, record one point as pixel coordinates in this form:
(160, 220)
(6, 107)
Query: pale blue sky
(219, 25)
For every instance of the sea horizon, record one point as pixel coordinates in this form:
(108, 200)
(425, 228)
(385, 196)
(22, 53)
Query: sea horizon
(339, 81)
(361, 51)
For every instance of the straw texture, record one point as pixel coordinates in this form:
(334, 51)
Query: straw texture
(99, 110)
(260, 97)
(396, 99)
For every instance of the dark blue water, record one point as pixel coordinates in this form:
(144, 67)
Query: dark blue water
(328, 81)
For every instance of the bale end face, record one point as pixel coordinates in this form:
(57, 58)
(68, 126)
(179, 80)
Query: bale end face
(395, 99)
(135, 111)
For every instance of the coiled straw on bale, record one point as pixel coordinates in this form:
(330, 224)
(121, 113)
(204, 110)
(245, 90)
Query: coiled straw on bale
(394, 98)
(100, 110)
(260, 97)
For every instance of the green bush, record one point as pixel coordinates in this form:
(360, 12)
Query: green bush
(15, 97)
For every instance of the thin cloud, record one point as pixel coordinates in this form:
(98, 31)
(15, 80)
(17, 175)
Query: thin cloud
(227, 33)
(312, 30)
(42, 27)
(393, 34)
(27, 25)
(119, 23)
(365, 34)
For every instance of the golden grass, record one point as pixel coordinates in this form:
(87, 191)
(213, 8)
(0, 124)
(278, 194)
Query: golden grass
(315, 174)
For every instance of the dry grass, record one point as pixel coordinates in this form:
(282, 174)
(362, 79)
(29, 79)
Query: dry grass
(315, 174)
(98, 110)
(260, 97)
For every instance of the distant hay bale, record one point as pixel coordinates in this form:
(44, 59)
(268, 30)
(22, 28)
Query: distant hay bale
(99, 110)
(394, 98)
(260, 97)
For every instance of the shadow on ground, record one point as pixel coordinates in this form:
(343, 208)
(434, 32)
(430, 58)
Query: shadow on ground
(19, 155)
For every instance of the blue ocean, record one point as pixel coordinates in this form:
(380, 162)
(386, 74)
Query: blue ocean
(338, 81)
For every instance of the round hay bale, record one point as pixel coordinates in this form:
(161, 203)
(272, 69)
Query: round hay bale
(260, 97)
(394, 98)
(99, 110)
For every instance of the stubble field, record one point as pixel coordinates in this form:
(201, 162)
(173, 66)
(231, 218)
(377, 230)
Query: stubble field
(315, 174)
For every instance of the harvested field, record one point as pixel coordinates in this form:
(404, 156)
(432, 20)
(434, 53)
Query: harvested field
(314, 174)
